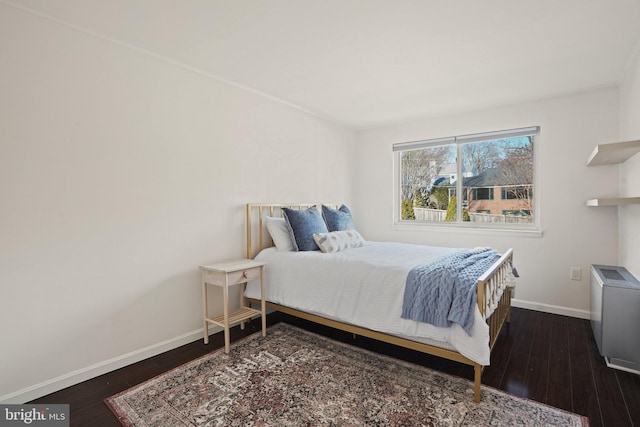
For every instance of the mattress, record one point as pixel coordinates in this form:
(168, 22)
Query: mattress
(364, 286)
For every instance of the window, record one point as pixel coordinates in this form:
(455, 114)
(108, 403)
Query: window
(492, 171)
(516, 192)
(482, 193)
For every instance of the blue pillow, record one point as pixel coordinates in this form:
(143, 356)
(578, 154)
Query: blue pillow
(338, 220)
(303, 224)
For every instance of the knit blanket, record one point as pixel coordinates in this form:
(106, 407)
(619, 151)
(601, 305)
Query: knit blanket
(444, 291)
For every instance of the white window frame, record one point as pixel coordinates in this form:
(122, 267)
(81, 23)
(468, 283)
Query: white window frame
(528, 230)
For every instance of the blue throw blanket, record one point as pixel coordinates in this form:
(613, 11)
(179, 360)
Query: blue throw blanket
(444, 291)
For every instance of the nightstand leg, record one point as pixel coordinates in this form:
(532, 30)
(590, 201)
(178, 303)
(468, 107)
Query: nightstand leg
(263, 305)
(225, 297)
(242, 288)
(205, 324)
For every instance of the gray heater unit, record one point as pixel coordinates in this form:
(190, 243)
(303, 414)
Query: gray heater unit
(615, 316)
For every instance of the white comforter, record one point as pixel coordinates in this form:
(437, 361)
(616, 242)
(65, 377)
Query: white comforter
(365, 287)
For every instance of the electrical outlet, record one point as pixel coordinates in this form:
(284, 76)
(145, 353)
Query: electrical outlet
(576, 273)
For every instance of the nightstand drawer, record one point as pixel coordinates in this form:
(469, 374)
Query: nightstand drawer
(242, 276)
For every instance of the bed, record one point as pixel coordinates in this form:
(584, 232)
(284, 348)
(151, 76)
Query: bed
(361, 289)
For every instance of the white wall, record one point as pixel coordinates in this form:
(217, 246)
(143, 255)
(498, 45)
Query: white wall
(629, 216)
(120, 173)
(573, 234)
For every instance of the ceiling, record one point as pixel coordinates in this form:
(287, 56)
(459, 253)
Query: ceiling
(368, 63)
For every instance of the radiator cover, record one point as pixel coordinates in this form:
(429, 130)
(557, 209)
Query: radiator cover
(615, 316)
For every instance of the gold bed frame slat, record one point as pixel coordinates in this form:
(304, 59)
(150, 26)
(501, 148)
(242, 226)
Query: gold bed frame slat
(491, 286)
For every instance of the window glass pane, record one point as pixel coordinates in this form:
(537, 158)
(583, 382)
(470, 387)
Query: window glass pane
(482, 193)
(428, 179)
(498, 175)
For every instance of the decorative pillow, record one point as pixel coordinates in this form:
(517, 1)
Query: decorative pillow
(279, 233)
(302, 225)
(338, 220)
(338, 240)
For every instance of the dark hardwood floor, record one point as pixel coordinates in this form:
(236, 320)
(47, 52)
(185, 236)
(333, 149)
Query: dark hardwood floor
(544, 357)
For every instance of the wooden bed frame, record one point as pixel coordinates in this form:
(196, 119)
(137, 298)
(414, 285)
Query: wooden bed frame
(488, 293)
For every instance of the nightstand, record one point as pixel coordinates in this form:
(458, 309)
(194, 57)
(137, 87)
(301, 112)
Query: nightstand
(225, 275)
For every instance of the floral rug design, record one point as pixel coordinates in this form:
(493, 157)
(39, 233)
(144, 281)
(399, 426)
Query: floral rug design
(293, 377)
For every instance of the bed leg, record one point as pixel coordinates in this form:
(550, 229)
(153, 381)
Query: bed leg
(477, 381)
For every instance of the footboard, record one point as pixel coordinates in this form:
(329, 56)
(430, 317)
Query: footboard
(494, 294)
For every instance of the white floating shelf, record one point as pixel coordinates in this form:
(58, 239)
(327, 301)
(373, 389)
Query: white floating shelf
(614, 201)
(610, 154)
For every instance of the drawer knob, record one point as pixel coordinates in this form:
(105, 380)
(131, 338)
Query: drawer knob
(245, 275)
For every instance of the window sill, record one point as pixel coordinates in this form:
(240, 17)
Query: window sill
(533, 232)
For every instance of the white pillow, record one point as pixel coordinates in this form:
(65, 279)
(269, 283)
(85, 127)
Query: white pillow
(279, 233)
(338, 240)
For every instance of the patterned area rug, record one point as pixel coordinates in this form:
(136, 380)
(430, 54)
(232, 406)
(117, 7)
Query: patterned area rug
(295, 378)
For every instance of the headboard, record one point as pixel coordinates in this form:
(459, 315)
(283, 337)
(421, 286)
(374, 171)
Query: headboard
(257, 235)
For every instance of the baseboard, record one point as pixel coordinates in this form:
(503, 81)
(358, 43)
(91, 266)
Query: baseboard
(553, 309)
(84, 374)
